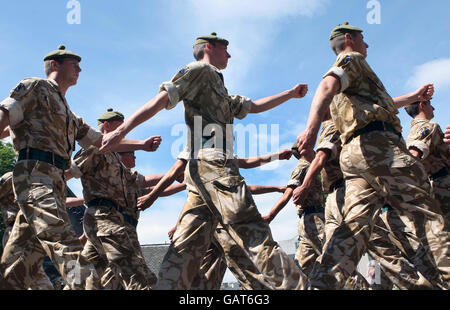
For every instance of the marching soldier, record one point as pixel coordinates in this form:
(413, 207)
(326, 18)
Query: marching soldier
(217, 192)
(377, 167)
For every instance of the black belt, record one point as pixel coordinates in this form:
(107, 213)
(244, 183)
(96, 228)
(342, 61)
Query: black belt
(48, 157)
(337, 184)
(374, 126)
(105, 202)
(441, 173)
(312, 209)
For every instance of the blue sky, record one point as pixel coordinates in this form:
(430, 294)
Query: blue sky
(130, 47)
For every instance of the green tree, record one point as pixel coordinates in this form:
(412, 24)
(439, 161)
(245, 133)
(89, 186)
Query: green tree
(7, 162)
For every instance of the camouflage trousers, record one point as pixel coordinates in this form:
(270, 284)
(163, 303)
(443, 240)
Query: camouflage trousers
(440, 189)
(108, 245)
(310, 233)
(43, 227)
(333, 218)
(225, 252)
(407, 191)
(110, 281)
(222, 196)
(401, 256)
(37, 279)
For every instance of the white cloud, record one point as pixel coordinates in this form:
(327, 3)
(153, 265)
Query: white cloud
(435, 71)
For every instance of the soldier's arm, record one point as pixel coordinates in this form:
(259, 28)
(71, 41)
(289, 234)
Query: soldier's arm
(127, 145)
(5, 133)
(4, 121)
(261, 189)
(415, 152)
(327, 89)
(279, 205)
(256, 161)
(147, 200)
(74, 202)
(423, 93)
(173, 190)
(146, 112)
(271, 102)
(152, 179)
(314, 169)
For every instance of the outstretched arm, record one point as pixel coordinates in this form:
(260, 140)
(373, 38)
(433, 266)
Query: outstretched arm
(74, 202)
(423, 93)
(253, 162)
(147, 200)
(127, 145)
(314, 169)
(281, 203)
(261, 189)
(327, 89)
(144, 113)
(271, 102)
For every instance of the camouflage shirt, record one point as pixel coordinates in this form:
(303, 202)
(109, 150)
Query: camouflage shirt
(104, 176)
(362, 97)
(329, 140)
(135, 185)
(315, 194)
(7, 202)
(41, 118)
(201, 88)
(428, 138)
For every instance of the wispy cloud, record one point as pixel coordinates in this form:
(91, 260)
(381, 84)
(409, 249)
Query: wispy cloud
(435, 71)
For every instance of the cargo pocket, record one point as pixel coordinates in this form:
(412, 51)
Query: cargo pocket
(234, 200)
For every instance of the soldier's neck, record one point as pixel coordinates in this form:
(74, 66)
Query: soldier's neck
(422, 115)
(62, 85)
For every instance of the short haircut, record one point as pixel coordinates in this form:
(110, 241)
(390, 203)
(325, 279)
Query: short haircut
(48, 65)
(199, 50)
(338, 43)
(413, 109)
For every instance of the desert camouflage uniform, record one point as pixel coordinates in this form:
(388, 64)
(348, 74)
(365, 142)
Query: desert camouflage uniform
(311, 219)
(103, 176)
(217, 191)
(378, 170)
(38, 280)
(428, 138)
(39, 187)
(134, 184)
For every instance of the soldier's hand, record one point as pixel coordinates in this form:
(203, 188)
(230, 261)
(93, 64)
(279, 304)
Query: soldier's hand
(425, 92)
(144, 202)
(305, 142)
(447, 135)
(299, 195)
(171, 233)
(268, 218)
(300, 90)
(109, 140)
(152, 143)
(285, 154)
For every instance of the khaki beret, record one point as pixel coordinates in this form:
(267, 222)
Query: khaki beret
(210, 38)
(110, 116)
(61, 52)
(343, 29)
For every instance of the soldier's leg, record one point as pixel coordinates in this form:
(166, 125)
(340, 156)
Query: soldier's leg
(191, 240)
(441, 192)
(41, 192)
(22, 257)
(132, 234)
(311, 234)
(347, 239)
(239, 263)
(408, 191)
(392, 262)
(212, 269)
(110, 237)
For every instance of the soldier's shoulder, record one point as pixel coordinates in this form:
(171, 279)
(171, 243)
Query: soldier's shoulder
(24, 87)
(349, 57)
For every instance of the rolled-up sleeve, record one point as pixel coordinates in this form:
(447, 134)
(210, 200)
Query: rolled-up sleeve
(240, 106)
(15, 111)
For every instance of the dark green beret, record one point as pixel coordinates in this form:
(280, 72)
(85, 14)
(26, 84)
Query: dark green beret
(110, 116)
(210, 38)
(294, 150)
(61, 52)
(343, 29)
